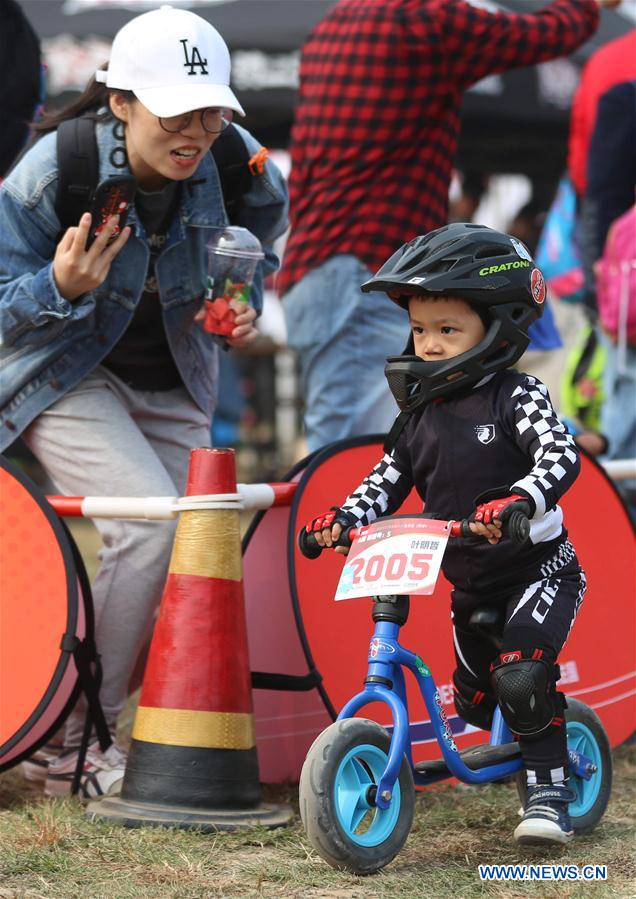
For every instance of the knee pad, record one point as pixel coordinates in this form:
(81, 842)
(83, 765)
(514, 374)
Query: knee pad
(526, 693)
(473, 706)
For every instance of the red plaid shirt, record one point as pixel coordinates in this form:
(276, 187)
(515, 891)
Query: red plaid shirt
(377, 121)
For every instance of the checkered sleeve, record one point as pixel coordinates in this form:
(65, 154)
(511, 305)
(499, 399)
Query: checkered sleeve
(382, 492)
(541, 435)
(482, 41)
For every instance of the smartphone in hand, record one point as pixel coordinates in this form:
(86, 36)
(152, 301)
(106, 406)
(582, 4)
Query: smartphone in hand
(113, 196)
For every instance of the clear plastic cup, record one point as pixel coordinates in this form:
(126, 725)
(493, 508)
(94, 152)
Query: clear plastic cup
(233, 254)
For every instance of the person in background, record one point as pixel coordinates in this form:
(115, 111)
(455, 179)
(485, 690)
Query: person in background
(105, 367)
(581, 384)
(472, 187)
(21, 81)
(539, 359)
(372, 151)
(572, 378)
(610, 192)
(582, 392)
(609, 65)
(527, 224)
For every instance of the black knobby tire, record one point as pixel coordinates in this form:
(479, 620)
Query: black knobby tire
(587, 735)
(345, 761)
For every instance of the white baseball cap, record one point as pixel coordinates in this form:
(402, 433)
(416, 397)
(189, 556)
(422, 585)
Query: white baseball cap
(173, 61)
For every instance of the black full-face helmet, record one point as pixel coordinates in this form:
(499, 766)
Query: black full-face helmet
(490, 270)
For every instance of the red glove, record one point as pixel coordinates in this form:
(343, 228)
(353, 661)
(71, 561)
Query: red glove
(496, 508)
(326, 520)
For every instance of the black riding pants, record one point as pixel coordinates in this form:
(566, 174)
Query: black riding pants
(538, 616)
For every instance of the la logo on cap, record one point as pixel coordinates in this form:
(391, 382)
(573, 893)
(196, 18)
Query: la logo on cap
(194, 60)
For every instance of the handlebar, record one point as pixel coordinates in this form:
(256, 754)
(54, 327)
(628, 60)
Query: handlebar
(311, 549)
(516, 527)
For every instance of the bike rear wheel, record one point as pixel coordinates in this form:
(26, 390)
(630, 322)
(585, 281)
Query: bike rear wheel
(337, 786)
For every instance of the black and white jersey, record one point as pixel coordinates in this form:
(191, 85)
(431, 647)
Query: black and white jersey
(504, 433)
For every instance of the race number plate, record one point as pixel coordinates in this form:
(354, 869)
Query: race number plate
(397, 555)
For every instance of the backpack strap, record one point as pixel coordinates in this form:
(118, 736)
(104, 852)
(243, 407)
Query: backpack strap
(78, 169)
(232, 161)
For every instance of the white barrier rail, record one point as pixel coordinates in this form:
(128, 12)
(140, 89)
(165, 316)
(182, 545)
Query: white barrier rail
(620, 469)
(248, 496)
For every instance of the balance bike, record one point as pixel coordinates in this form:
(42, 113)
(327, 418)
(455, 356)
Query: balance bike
(357, 783)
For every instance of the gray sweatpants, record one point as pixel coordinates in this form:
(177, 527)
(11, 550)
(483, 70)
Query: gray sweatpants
(105, 439)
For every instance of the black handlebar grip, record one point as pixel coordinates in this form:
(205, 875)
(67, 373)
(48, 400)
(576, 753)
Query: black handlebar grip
(311, 550)
(307, 545)
(518, 527)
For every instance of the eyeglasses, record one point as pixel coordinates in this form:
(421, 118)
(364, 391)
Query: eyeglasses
(213, 120)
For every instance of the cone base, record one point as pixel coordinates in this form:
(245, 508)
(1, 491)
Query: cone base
(115, 810)
(191, 777)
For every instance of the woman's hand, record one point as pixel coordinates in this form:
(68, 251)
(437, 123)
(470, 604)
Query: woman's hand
(244, 331)
(77, 270)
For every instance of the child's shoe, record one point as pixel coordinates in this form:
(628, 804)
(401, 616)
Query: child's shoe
(546, 819)
(103, 772)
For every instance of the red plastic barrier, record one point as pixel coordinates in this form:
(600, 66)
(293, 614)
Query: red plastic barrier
(40, 601)
(286, 721)
(294, 627)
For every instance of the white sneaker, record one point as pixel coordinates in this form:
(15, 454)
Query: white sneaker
(103, 772)
(35, 768)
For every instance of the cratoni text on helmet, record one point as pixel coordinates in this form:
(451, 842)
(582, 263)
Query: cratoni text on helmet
(504, 267)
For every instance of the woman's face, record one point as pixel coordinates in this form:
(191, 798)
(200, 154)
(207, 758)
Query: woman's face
(154, 155)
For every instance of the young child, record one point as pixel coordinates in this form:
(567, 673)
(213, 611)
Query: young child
(468, 424)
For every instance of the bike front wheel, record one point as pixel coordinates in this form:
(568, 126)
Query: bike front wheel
(338, 783)
(586, 735)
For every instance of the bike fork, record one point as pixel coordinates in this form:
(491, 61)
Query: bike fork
(385, 683)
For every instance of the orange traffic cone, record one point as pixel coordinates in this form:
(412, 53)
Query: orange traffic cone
(192, 760)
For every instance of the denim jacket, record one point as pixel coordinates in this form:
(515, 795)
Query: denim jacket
(48, 344)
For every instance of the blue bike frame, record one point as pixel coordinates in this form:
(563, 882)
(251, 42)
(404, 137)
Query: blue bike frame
(386, 660)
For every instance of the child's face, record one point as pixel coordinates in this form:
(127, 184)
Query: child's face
(443, 327)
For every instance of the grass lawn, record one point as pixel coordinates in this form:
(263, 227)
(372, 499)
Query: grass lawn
(49, 849)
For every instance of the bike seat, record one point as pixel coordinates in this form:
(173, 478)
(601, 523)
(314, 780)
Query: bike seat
(488, 620)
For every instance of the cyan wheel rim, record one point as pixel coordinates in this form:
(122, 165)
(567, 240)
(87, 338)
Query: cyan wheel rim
(361, 768)
(581, 738)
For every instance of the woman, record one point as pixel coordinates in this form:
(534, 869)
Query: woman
(106, 370)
